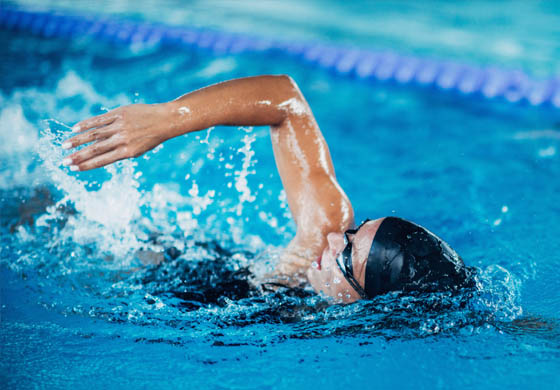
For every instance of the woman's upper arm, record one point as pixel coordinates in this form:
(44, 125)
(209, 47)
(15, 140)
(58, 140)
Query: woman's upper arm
(317, 202)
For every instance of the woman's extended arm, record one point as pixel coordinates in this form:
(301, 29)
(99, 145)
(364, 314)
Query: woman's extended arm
(317, 202)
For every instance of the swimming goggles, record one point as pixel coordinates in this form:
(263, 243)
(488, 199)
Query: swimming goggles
(344, 262)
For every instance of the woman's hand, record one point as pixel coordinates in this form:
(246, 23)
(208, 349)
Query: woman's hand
(125, 132)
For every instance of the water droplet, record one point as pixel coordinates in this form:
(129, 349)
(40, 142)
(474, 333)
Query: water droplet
(315, 265)
(336, 281)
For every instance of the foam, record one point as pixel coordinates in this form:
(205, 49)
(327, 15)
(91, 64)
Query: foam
(17, 140)
(104, 217)
(241, 175)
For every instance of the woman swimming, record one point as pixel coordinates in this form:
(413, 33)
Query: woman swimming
(381, 255)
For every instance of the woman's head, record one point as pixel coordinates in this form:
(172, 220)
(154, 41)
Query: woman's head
(326, 276)
(387, 254)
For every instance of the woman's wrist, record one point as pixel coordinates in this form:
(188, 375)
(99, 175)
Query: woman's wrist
(183, 118)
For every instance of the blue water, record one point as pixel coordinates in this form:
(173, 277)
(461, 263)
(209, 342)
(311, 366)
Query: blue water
(79, 309)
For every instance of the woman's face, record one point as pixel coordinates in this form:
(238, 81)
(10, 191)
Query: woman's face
(325, 275)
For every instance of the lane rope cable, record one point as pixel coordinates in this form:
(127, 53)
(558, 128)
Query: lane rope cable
(487, 82)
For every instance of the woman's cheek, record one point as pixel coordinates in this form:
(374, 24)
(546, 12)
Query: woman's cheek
(329, 283)
(322, 282)
(313, 276)
(317, 280)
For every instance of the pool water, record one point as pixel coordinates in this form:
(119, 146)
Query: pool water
(79, 308)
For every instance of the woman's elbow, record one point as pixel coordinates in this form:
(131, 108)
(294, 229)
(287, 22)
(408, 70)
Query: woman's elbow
(286, 85)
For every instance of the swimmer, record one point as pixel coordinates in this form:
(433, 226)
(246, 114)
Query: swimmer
(328, 252)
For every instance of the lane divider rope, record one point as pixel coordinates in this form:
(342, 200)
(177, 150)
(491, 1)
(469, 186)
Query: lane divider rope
(486, 82)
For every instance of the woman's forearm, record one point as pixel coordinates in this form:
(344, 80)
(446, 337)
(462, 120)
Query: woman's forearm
(133, 130)
(252, 101)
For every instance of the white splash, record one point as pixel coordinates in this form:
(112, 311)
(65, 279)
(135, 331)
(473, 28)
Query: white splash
(502, 293)
(241, 182)
(104, 217)
(269, 219)
(205, 140)
(17, 141)
(200, 203)
(19, 135)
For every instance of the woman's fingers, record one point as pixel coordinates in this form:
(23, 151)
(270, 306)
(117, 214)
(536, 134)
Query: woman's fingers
(90, 152)
(89, 136)
(96, 121)
(101, 160)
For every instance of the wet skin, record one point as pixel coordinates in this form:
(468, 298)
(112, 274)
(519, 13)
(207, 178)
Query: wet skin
(319, 206)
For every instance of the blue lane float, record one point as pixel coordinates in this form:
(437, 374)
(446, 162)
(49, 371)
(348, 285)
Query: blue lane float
(489, 83)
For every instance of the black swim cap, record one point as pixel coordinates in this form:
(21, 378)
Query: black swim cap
(406, 257)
